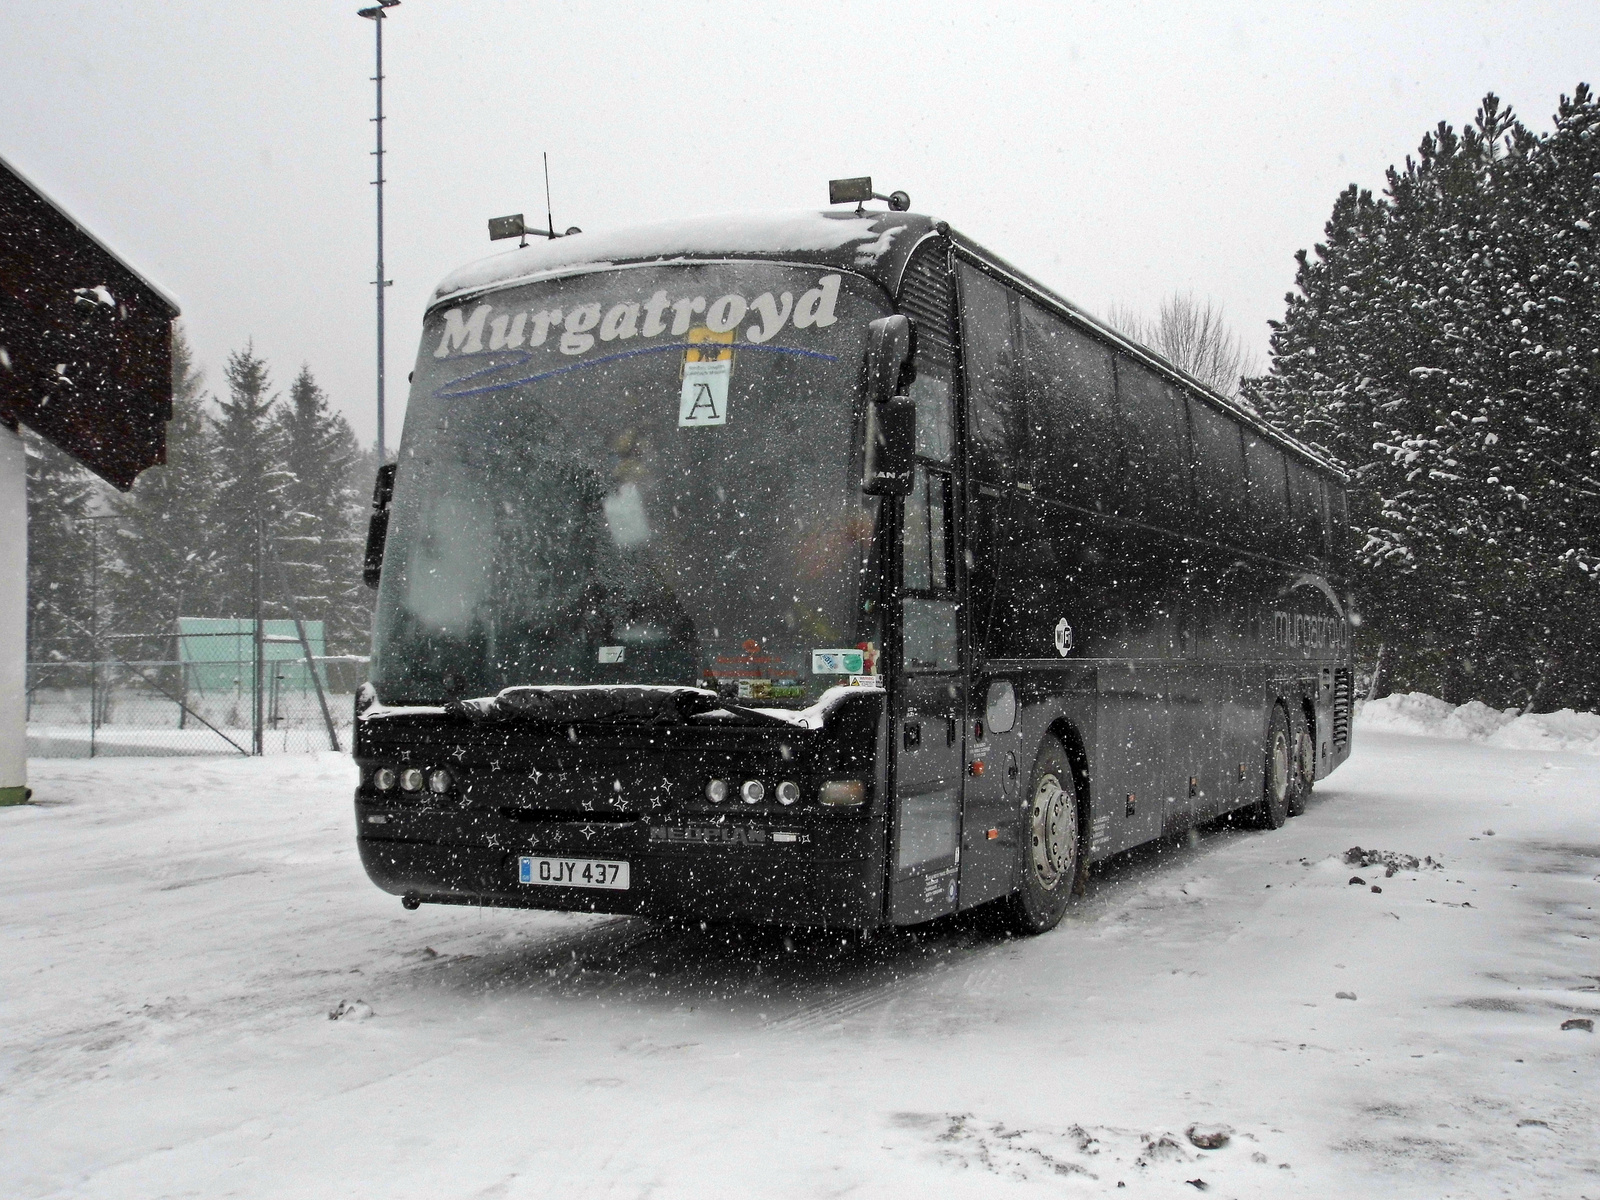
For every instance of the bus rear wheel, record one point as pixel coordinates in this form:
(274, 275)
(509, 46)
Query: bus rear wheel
(1280, 780)
(1305, 764)
(1049, 846)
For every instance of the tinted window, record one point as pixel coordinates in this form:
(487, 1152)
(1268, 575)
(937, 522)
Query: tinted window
(1305, 512)
(1155, 476)
(1219, 485)
(997, 423)
(1269, 497)
(559, 518)
(1339, 519)
(931, 635)
(925, 536)
(1078, 448)
(935, 413)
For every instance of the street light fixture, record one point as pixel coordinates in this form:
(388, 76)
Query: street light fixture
(377, 15)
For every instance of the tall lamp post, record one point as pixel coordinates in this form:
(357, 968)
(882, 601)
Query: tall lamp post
(377, 16)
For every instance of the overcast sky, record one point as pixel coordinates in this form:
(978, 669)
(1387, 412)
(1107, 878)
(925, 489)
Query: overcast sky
(1118, 152)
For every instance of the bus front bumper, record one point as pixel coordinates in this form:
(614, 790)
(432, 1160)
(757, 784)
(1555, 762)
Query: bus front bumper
(827, 876)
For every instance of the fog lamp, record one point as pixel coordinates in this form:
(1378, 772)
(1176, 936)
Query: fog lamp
(439, 781)
(788, 792)
(384, 779)
(753, 790)
(717, 791)
(411, 780)
(843, 793)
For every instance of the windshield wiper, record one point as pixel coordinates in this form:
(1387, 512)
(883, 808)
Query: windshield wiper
(641, 703)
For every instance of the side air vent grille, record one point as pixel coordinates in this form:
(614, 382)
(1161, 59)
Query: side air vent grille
(1341, 707)
(927, 296)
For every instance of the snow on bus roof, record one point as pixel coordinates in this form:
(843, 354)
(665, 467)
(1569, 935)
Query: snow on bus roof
(768, 234)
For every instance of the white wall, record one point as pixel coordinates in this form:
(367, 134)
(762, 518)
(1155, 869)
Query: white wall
(13, 616)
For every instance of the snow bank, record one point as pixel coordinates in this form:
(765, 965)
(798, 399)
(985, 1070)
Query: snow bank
(1422, 715)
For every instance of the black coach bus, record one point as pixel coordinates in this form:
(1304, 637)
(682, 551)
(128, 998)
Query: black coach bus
(824, 569)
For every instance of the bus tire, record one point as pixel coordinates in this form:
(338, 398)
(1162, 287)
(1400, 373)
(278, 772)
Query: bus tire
(1305, 762)
(1050, 844)
(1278, 778)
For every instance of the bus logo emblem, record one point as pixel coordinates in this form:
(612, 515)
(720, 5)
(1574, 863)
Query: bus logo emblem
(1063, 638)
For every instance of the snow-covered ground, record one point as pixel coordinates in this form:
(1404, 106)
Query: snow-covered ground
(176, 933)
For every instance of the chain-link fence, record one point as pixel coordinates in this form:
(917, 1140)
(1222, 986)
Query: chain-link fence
(283, 700)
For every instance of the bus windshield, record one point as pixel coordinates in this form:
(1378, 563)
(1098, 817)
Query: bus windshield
(637, 476)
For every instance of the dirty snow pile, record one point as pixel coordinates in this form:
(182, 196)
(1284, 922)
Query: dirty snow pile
(1422, 715)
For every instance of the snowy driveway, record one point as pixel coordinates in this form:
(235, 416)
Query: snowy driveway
(177, 931)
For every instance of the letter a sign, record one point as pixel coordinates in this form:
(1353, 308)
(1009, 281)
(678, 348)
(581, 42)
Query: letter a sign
(704, 399)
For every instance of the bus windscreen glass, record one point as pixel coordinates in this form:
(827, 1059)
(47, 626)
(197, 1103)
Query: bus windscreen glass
(646, 476)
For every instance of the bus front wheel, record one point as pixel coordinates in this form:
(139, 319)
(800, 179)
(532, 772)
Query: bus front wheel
(1049, 846)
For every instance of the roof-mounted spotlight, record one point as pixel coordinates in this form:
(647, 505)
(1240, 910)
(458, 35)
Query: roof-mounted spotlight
(514, 226)
(375, 13)
(859, 190)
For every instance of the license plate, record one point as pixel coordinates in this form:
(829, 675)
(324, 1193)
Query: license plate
(574, 872)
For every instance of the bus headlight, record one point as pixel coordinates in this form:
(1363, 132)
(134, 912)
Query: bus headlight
(788, 792)
(384, 779)
(411, 780)
(843, 793)
(717, 791)
(439, 781)
(753, 791)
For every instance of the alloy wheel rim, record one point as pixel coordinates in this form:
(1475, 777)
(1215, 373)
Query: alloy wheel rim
(1053, 829)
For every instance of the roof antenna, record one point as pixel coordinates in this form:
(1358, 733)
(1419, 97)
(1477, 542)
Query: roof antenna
(549, 220)
(515, 226)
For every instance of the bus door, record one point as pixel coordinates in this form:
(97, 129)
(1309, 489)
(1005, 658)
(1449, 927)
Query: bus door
(929, 707)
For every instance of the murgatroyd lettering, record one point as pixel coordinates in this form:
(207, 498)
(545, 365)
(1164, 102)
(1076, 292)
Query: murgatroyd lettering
(578, 328)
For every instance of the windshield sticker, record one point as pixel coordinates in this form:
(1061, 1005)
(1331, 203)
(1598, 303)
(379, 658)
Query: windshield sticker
(612, 654)
(837, 662)
(516, 336)
(771, 689)
(707, 367)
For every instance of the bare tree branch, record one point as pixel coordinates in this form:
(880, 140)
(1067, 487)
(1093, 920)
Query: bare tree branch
(1193, 334)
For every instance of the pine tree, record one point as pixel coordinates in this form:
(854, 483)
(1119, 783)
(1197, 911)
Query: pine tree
(317, 547)
(61, 556)
(1442, 344)
(166, 555)
(250, 480)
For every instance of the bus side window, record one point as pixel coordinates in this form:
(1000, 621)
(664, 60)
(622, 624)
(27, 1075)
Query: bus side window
(1218, 474)
(930, 614)
(935, 414)
(1078, 447)
(1305, 512)
(1155, 478)
(1269, 498)
(925, 554)
(996, 420)
(1339, 522)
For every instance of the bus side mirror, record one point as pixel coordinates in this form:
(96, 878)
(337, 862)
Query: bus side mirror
(378, 524)
(891, 432)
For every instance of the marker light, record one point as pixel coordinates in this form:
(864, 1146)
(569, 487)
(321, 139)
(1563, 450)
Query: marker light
(384, 779)
(788, 792)
(439, 781)
(752, 790)
(411, 780)
(717, 791)
(843, 793)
